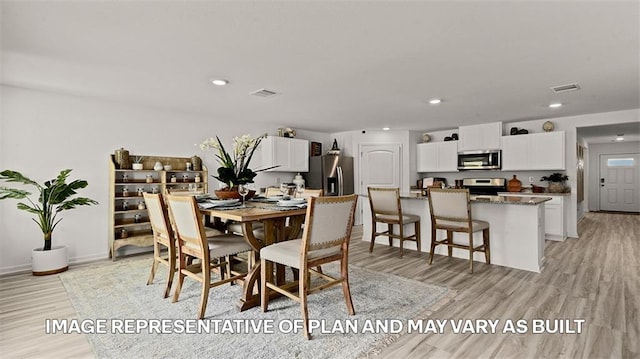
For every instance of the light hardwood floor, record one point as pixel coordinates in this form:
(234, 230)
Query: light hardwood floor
(595, 278)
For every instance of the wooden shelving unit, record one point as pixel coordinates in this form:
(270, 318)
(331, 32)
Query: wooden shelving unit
(128, 224)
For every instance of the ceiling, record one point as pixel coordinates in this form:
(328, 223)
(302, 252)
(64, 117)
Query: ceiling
(630, 131)
(336, 66)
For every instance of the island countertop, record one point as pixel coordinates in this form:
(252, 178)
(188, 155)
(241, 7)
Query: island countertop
(516, 228)
(520, 200)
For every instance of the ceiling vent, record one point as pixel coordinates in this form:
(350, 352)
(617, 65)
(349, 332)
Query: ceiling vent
(566, 88)
(263, 93)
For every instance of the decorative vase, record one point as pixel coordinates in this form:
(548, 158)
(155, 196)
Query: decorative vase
(122, 158)
(556, 187)
(227, 193)
(137, 166)
(514, 185)
(196, 162)
(49, 262)
(298, 180)
(158, 166)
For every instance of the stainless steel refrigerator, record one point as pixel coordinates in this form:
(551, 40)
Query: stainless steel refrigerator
(333, 174)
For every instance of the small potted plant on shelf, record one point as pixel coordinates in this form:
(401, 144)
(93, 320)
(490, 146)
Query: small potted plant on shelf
(137, 162)
(235, 171)
(54, 196)
(556, 182)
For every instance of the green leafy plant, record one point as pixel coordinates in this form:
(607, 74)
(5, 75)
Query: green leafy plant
(138, 159)
(54, 196)
(555, 177)
(234, 171)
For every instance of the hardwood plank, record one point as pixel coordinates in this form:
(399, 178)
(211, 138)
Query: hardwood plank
(595, 278)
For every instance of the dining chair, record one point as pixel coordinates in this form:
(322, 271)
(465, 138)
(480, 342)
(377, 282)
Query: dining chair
(272, 191)
(451, 211)
(387, 209)
(309, 193)
(210, 252)
(163, 238)
(329, 221)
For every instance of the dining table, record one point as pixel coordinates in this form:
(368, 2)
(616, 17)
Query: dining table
(280, 224)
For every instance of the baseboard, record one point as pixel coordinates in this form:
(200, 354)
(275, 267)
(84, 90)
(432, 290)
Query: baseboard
(26, 268)
(19, 269)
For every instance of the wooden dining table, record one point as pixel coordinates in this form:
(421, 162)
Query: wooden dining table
(280, 224)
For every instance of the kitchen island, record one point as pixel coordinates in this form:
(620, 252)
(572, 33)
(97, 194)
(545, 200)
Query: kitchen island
(517, 229)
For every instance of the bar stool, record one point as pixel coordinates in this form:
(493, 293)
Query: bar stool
(451, 211)
(386, 209)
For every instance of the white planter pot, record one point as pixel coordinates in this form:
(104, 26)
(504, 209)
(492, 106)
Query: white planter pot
(49, 262)
(137, 166)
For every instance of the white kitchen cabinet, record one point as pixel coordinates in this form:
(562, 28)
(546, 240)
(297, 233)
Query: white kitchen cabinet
(437, 157)
(548, 151)
(290, 154)
(480, 137)
(555, 215)
(537, 151)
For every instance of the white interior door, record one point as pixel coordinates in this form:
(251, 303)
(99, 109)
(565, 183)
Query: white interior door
(619, 183)
(380, 166)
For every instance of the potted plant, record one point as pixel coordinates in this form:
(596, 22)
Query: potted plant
(54, 196)
(137, 163)
(556, 182)
(234, 171)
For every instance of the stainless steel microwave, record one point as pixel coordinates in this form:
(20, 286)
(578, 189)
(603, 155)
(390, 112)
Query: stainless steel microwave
(479, 160)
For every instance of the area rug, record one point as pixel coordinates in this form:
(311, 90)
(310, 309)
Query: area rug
(118, 295)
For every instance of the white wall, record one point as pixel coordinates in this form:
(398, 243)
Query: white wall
(42, 133)
(595, 150)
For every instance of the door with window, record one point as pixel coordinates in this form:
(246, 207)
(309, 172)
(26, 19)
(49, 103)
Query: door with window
(619, 183)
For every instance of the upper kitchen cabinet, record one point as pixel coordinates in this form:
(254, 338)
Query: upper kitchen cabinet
(437, 157)
(290, 154)
(480, 137)
(537, 151)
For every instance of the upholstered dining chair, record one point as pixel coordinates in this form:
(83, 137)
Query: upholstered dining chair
(386, 209)
(213, 252)
(451, 211)
(163, 238)
(308, 192)
(325, 239)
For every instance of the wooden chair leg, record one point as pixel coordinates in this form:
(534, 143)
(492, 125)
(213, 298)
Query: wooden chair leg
(154, 266)
(433, 244)
(470, 252)
(417, 229)
(176, 294)
(373, 235)
(485, 240)
(345, 286)
(390, 231)
(449, 243)
(172, 271)
(302, 292)
(206, 284)
(401, 239)
(266, 276)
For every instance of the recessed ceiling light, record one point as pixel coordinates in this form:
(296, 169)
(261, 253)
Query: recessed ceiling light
(555, 105)
(620, 137)
(219, 82)
(435, 101)
(385, 129)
